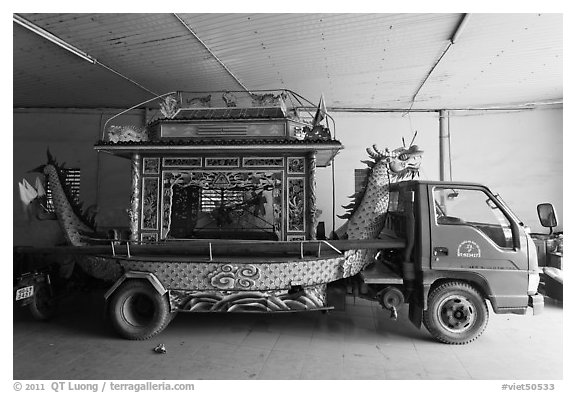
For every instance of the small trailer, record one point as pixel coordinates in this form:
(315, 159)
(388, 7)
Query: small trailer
(223, 219)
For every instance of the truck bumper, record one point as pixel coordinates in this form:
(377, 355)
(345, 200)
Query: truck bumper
(537, 303)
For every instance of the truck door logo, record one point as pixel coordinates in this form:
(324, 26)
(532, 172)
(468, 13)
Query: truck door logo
(468, 249)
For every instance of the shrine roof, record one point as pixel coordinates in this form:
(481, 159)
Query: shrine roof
(221, 142)
(325, 150)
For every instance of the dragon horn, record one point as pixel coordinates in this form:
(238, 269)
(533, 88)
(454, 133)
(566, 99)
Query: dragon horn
(414, 137)
(50, 158)
(380, 154)
(372, 153)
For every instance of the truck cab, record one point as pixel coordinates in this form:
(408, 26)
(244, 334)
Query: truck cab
(463, 246)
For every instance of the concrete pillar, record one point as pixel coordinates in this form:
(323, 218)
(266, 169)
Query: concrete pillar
(445, 156)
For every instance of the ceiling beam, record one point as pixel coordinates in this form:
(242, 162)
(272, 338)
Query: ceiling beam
(455, 35)
(211, 53)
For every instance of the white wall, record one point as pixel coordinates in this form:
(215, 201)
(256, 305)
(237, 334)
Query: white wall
(70, 135)
(357, 131)
(516, 154)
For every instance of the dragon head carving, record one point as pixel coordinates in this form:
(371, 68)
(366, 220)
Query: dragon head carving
(401, 162)
(385, 167)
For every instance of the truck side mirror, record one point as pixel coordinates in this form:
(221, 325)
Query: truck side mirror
(547, 215)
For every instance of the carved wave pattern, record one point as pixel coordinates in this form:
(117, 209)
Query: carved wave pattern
(200, 276)
(249, 301)
(230, 276)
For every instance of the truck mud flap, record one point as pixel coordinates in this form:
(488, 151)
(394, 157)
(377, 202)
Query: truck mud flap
(537, 303)
(415, 314)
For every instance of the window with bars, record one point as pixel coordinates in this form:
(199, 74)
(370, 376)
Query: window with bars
(212, 199)
(71, 181)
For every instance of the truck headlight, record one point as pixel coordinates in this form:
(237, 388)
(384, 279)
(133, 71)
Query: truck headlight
(533, 282)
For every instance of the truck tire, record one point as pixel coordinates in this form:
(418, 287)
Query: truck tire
(456, 314)
(43, 306)
(138, 311)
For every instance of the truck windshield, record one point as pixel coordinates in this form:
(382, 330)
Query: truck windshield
(508, 210)
(473, 207)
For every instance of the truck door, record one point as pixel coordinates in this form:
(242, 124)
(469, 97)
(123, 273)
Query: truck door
(471, 232)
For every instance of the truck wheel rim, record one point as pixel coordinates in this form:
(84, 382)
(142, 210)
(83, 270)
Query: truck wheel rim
(456, 314)
(138, 310)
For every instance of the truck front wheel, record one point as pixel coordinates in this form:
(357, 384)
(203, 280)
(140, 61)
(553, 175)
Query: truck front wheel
(138, 311)
(456, 314)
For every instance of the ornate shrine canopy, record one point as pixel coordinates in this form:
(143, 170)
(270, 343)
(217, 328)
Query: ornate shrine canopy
(278, 122)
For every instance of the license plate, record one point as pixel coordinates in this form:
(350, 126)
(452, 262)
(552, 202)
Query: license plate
(24, 293)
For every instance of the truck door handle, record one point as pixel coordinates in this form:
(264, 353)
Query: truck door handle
(440, 251)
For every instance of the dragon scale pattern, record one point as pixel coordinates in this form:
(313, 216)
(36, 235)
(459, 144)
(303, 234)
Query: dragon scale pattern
(71, 224)
(368, 219)
(369, 215)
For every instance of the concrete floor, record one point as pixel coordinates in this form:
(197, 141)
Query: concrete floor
(359, 343)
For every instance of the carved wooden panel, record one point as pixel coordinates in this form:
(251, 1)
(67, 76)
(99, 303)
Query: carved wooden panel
(295, 165)
(225, 162)
(151, 166)
(149, 237)
(182, 161)
(150, 196)
(196, 202)
(262, 162)
(296, 238)
(296, 204)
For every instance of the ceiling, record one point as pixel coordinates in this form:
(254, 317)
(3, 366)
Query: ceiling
(358, 61)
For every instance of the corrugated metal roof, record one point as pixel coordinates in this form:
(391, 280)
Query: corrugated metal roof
(352, 58)
(356, 60)
(45, 75)
(501, 58)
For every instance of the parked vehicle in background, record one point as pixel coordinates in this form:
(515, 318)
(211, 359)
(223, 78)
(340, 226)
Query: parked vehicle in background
(550, 252)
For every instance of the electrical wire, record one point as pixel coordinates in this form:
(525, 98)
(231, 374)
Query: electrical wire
(455, 35)
(448, 46)
(125, 77)
(211, 53)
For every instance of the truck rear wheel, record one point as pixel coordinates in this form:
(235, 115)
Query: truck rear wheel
(456, 314)
(138, 311)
